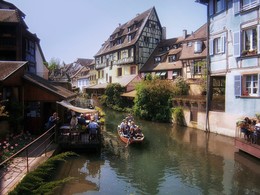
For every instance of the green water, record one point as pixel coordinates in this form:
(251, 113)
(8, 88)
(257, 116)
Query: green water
(172, 160)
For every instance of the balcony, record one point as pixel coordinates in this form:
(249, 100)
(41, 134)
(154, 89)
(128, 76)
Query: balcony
(124, 61)
(99, 66)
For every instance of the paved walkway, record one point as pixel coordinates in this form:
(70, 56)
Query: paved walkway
(17, 169)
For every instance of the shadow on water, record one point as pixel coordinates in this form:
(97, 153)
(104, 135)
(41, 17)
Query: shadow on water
(172, 160)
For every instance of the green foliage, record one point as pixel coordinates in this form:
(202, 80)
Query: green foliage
(54, 64)
(113, 93)
(153, 101)
(180, 87)
(178, 116)
(38, 181)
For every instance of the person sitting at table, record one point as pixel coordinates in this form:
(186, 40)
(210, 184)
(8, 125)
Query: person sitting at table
(82, 120)
(73, 122)
(93, 129)
(245, 128)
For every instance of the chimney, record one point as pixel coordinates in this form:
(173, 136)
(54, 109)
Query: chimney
(184, 34)
(163, 33)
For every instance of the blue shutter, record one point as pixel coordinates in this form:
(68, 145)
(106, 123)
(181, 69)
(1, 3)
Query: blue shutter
(237, 85)
(223, 4)
(258, 39)
(211, 7)
(236, 6)
(211, 47)
(236, 44)
(258, 85)
(223, 44)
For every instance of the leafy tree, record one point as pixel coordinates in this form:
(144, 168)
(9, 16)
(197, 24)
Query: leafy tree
(54, 64)
(180, 87)
(113, 95)
(153, 101)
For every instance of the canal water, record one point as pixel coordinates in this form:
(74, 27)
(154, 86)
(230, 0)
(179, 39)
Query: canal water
(172, 160)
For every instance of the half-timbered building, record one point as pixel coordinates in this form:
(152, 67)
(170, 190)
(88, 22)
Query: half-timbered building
(128, 47)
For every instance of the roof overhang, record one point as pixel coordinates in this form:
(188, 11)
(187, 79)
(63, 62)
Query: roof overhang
(204, 2)
(75, 108)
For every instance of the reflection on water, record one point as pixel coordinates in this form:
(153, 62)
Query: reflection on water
(172, 160)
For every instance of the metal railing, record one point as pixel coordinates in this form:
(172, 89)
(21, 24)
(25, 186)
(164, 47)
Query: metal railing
(25, 160)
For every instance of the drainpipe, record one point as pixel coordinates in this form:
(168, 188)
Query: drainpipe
(207, 129)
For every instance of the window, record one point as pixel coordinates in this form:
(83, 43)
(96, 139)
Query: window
(251, 85)
(244, 5)
(197, 68)
(216, 6)
(172, 58)
(250, 39)
(146, 39)
(247, 85)
(119, 72)
(157, 59)
(132, 70)
(219, 45)
(247, 4)
(250, 42)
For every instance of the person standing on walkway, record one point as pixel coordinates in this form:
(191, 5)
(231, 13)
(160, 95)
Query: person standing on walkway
(52, 120)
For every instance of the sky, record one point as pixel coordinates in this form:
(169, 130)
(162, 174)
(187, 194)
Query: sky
(69, 30)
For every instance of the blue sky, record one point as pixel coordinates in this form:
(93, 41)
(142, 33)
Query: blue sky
(76, 29)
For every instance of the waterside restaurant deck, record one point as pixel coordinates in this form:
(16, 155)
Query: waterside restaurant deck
(244, 144)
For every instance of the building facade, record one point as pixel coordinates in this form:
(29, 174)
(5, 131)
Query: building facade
(234, 66)
(128, 47)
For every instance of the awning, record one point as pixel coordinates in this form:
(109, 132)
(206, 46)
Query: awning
(75, 108)
(129, 94)
(163, 74)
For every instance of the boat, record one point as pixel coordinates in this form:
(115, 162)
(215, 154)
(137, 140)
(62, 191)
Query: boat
(133, 140)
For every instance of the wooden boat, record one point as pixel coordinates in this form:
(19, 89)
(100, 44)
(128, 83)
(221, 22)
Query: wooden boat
(125, 138)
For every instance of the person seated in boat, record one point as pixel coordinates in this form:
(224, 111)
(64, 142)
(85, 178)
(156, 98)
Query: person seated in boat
(133, 129)
(123, 127)
(129, 119)
(93, 129)
(138, 132)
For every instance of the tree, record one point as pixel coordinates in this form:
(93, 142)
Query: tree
(54, 64)
(153, 101)
(113, 95)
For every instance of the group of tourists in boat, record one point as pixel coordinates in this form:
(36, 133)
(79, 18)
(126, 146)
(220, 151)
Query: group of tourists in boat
(129, 132)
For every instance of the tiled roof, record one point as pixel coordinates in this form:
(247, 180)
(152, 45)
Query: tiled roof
(126, 79)
(188, 52)
(200, 33)
(150, 65)
(8, 68)
(7, 15)
(140, 19)
(48, 85)
(84, 62)
(177, 46)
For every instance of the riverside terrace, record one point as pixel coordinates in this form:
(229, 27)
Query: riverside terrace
(247, 136)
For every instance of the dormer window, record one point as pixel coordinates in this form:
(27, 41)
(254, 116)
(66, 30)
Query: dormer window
(157, 59)
(172, 58)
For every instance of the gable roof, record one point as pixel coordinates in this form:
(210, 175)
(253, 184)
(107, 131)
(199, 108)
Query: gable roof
(122, 31)
(84, 62)
(150, 65)
(9, 67)
(49, 86)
